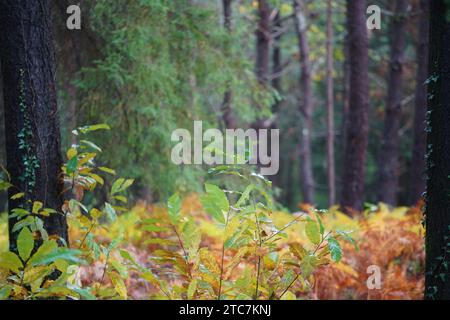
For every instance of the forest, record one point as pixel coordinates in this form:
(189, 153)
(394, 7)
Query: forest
(224, 150)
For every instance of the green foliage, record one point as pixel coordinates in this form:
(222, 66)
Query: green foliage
(249, 238)
(45, 267)
(164, 65)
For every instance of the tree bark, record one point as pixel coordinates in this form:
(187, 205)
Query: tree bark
(357, 127)
(263, 35)
(31, 115)
(388, 162)
(417, 184)
(330, 108)
(437, 279)
(306, 104)
(228, 116)
(277, 66)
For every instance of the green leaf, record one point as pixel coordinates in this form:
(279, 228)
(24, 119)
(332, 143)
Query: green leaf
(67, 254)
(174, 208)
(72, 165)
(110, 212)
(107, 170)
(245, 195)
(192, 289)
(25, 243)
(91, 145)
(37, 205)
(335, 249)
(46, 248)
(10, 261)
(5, 185)
(215, 202)
(94, 127)
(121, 185)
(308, 265)
(18, 196)
(312, 231)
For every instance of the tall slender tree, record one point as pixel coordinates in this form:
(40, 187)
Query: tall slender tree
(228, 116)
(330, 108)
(437, 277)
(417, 183)
(306, 103)
(263, 38)
(357, 126)
(388, 163)
(31, 114)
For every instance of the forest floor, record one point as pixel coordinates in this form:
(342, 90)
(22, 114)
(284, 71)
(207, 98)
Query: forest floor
(392, 240)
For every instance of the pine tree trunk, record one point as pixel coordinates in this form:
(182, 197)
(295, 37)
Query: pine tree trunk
(417, 171)
(437, 279)
(228, 116)
(357, 126)
(306, 104)
(330, 108)
(31, 113)
(263, 35)
(388, 163)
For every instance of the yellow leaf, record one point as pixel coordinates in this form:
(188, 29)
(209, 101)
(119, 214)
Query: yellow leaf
(118, 284)
(37, 205)
(72, 152)
(209, 261)
(192, 289)
(18, 196)
(10, 261)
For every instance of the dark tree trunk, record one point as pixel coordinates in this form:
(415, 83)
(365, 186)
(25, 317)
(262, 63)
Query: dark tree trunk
(417, 171)
(263, 36)
(357, 127)
(388, 163)
(31, 113)
(306, 104)
(330, 108)
(3, 196)
(345, 108)
(228, 116)
(437, 279)
(277, 66)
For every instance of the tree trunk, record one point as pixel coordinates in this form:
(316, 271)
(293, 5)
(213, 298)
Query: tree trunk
(437, 279)
(263, 35)
(306, 104)
(31, 115)
(330, 108)
(417, 183)
(228, 116)
(388, 162)
(357, 127)
(277, 66)
(3, 197)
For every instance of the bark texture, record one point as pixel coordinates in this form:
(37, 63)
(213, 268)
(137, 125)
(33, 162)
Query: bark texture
(437, 279)
(228, 116)
(263, 36)
(330, 109)
(31, 113)
(357, 127)
(306, 104)
(417, 172)
(388, 163)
